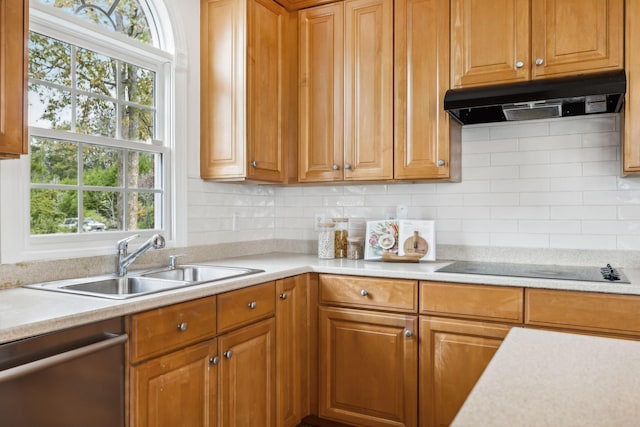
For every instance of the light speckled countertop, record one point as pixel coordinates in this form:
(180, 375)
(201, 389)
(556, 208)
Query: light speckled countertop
(542, 378)
(28, 312)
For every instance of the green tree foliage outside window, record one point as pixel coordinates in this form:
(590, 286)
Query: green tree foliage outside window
(78, 184)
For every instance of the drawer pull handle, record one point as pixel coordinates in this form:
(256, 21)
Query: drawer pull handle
(408, 333)
(214, 360)
(284, 295)
(364, 293)
(182, 326)
(227, 354)
(252, 305)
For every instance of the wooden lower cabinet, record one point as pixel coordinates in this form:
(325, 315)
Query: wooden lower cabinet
(368, 367)
(247, 376)
(453, 355)
(178, 389)
(296, 348)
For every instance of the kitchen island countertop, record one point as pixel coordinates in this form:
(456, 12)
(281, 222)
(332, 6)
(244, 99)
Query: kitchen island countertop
(28, 312)
(541, 378)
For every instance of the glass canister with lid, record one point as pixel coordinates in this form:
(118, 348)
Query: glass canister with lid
(326, 242)
(355, 247)
(340, 237)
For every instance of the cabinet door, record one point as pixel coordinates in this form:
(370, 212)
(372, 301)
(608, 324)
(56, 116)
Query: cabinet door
(576, 36)
(247, 376)
(423, 148)
(489, 42)
(295, 330)
(368, 113)
(631, 161)
(368, 367)
(453, 355)
(13, 113)
(179, 389)
(222, 89)
(321, 56)
(266, 98)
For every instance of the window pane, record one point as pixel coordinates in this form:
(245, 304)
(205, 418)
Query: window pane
(138, 84)
(141, 211)
(141, 170)
(54, 162)
(137, 124)
(49, 60)
(126, 17)
(53, 211)
(102, 166)
(95, 116)
(102, 210)
(49, 108)
(95, 73)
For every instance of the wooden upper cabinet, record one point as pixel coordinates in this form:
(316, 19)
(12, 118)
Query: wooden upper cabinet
(488, 39)
(13, 69)
(244, 92)
(321, 93)
(427, 141)
(631, 149)
(346, 91)
(368, 114)
(576, 36)
(502, 41)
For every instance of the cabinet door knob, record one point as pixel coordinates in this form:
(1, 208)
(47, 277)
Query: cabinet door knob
(254, 164)
(364, 293)
(441, 162)
(214, 360)
(408, 333)
(182, 326)
(519, 64)
(227, 354)
(539, 61)
(335, 167)
(347, 166)
(284, 295)
(252, 305)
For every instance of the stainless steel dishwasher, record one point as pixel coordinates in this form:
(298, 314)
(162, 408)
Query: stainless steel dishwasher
(71, 378)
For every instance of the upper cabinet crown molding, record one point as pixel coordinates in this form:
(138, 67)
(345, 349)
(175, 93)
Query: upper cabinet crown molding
(14, 27)
(501, 41)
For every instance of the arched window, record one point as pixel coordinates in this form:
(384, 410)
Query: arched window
(99, 112)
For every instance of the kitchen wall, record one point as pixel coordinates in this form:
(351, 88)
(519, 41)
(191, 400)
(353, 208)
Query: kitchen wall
(540, 184)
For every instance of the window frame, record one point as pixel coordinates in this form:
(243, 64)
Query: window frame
(17, 243)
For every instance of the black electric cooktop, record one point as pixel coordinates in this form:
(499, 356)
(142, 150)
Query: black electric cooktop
(605, 274)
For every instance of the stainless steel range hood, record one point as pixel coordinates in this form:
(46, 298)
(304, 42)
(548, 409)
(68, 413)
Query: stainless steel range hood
(538, 99)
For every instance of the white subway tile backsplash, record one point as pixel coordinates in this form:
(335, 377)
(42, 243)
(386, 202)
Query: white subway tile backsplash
(551, 199)
(538, 184)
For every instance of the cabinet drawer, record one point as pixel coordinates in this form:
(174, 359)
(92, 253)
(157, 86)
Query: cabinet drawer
(368, 292)
(244, 306)
(165, 329)
(500, 303)
(591, 311)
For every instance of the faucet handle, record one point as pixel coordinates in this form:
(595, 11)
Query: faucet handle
(172, 260)
(123, 244)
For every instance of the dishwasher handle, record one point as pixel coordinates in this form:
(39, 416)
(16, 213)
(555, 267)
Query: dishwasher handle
(57, 359)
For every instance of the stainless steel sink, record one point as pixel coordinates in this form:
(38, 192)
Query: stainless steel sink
(200, 273)
(144, 282)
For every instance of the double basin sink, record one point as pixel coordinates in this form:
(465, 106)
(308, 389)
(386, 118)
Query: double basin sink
(145, 282)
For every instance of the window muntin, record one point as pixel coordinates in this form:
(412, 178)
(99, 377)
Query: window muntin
(122, 16)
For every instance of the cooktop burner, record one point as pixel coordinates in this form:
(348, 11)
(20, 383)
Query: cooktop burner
(560, 272)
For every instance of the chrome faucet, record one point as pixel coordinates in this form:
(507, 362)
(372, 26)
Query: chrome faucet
(125, 260)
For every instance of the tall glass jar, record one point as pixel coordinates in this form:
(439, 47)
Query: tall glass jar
(326, 244)
(340, 237)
